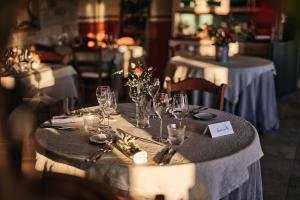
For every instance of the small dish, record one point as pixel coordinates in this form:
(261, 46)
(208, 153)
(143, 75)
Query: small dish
(98, 139)
(205, 116)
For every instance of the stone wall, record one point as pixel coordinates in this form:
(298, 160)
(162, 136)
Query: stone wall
(56, 17)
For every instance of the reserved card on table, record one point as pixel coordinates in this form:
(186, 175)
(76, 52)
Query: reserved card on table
(220, 129)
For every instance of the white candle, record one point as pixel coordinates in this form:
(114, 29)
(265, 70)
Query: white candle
(140, 157)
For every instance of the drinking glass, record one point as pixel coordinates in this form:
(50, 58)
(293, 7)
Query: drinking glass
(154, 88)
(180, 107)
(161, 106)
(135, 96)
(176, 135)
(90, 123)
(101, 92)
(109, 107)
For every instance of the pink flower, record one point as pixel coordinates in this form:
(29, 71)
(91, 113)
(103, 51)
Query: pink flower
(138, 71)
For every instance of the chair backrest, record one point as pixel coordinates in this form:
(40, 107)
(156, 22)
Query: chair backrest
(199, 84)
(88, 60)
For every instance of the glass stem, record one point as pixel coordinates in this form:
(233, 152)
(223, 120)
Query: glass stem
(108, 121)
(180, 123)
(160, 130)
(136, 113)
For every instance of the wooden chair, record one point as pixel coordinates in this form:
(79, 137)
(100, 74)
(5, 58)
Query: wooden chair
(88, 64)
(48, 54)
(199, 84)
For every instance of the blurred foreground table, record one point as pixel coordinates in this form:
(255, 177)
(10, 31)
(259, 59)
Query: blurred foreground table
(227, 167)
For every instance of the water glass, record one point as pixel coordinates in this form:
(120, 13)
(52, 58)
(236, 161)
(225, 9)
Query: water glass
(176, 134)
(90, 123)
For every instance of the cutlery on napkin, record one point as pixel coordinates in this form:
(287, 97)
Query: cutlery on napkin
(164, 156)
(139, 138)
(167, 157)
(62, 128)
(97, 154)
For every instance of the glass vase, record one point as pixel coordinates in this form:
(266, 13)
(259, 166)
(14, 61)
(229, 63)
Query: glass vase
(143, 107)
(222, 53)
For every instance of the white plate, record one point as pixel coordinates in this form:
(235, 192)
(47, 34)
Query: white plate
(205, 116)
(98, 139)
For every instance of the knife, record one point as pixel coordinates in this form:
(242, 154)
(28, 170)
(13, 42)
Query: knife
(63, 128)
(168, 156)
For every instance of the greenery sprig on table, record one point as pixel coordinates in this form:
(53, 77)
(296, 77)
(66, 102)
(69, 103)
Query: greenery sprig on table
(127, 144)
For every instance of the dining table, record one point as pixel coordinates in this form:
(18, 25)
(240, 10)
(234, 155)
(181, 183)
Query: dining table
(226, 167)
(250, 91)
(55, 80)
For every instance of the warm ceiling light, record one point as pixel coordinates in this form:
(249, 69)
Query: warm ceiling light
(91, 44)
(90, 35)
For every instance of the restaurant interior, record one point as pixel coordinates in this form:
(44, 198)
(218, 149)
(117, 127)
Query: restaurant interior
(150, 99)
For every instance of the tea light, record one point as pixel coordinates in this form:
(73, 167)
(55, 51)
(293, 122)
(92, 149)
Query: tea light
(140, 157)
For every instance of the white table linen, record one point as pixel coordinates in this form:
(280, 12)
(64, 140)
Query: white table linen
(55, 80)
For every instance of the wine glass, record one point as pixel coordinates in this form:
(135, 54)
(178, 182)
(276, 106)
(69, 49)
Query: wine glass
(101, 92)
(109, 107)
(135, 96)
(161, 106)
(154, 88)
(180, 107)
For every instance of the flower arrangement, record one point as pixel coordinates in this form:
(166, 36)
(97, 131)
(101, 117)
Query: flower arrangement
(222, 35)
(139, 77)
(17, 60)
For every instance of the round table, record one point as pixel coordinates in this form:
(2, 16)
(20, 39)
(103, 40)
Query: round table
(202, 168)
(250, 91)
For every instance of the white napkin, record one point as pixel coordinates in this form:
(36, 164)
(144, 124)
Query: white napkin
(62, 119)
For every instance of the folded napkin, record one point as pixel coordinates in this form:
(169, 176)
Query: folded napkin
(65, 119)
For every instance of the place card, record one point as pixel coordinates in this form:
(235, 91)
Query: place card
(220, 129)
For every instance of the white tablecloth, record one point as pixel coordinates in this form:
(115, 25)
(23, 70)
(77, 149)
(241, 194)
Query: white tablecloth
(202, 168)
(55, 80)
(238, 73)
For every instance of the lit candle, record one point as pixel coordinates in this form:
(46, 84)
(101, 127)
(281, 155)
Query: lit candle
(140, 157)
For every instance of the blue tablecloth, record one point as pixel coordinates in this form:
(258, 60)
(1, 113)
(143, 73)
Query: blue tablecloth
(250, 91)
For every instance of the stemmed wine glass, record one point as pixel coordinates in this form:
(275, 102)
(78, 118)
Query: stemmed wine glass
(161, 106)
(109, 107)
(153, 88)
(180, 107)
(135, 96)
(101, 93)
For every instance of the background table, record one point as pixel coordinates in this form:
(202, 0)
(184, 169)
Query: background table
(116, 59)
(250, 92)
(202, 168)
(55, 80)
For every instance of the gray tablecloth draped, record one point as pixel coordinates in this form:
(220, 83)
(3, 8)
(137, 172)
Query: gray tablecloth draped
(250, 84)
(257, 103)
(252, 188)
(202, 168)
